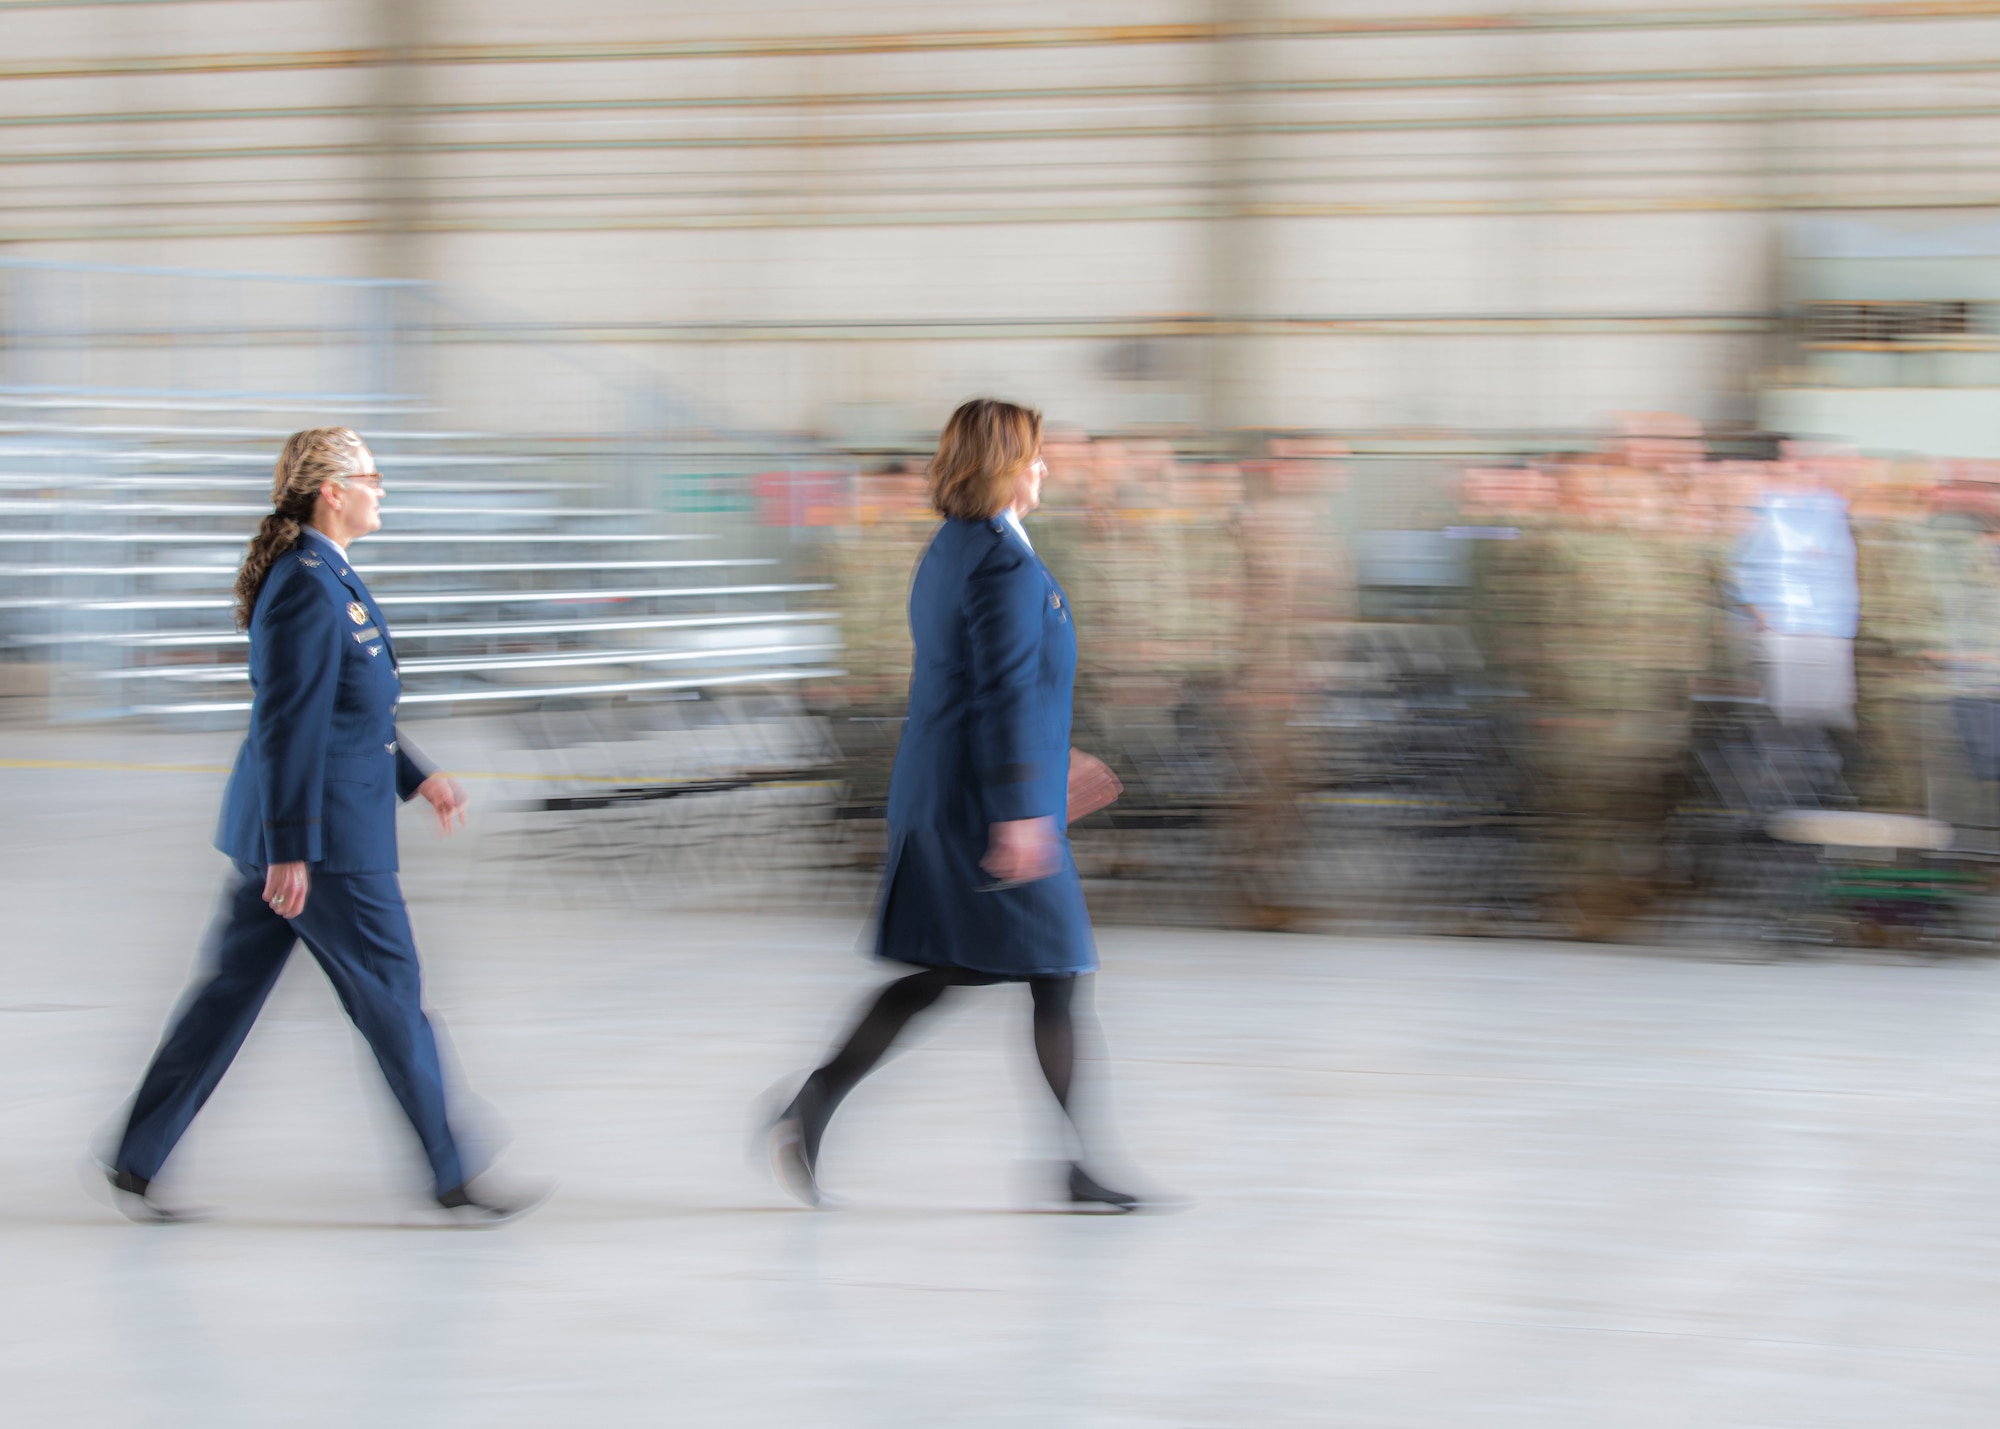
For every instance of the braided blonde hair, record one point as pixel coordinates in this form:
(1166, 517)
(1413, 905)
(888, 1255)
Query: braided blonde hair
(310, 460)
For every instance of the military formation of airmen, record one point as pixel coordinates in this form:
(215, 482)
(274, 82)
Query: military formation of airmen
(1604, 596)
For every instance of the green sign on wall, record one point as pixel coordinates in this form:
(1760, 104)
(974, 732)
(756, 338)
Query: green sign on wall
(689, 493)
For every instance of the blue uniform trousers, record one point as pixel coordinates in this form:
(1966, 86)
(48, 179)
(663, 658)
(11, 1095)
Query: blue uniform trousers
(357, 927)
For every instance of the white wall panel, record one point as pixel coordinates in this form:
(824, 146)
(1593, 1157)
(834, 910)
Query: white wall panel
(801, 214)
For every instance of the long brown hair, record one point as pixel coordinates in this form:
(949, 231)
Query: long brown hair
(310, 460)
(980, 452)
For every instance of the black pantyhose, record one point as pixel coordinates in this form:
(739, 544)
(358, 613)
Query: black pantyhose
(901, 1002)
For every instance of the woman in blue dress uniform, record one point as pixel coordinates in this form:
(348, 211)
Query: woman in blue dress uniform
(980, 887)
(309, 821)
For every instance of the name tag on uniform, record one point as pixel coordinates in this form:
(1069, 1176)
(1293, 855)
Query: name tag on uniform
(362, 637)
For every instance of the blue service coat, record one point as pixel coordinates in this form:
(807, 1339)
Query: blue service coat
(987, 740)
(322, 769)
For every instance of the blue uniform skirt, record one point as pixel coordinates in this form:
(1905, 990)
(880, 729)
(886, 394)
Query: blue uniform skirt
(939, 909)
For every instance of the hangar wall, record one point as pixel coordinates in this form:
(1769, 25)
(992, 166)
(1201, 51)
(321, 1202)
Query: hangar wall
(1356, 217)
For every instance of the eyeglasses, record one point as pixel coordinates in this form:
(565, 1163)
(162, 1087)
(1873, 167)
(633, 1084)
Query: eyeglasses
(370, 479)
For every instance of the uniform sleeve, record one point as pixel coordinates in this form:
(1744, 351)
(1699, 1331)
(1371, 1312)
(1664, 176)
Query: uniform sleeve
(412, 768)
(291, 719)
(1004, 638)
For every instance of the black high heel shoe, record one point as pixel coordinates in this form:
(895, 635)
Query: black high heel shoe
(486, 1208)
(133, 1195)
(792, 1159)
(1086, 1194)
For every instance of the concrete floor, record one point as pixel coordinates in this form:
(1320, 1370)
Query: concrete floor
(1427, 1183)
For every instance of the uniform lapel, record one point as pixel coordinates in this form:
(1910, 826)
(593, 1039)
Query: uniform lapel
(343, 569)
(1008, 533)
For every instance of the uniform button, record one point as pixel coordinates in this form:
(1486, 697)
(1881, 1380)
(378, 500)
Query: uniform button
(390, 747)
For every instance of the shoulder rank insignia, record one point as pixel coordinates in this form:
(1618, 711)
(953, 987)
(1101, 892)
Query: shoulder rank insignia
(309, 560)
(357, 612)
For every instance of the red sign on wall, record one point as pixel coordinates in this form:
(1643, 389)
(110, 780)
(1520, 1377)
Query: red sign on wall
(803, 498)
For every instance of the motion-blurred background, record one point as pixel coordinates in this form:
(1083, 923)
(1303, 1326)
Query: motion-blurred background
(1524, 470)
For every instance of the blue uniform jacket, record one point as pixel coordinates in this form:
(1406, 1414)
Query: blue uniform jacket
(987, 740)
(321, 771)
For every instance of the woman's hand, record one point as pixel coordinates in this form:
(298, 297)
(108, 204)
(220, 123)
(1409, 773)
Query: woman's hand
(286, 886)
(1092, 786)
(1022, 850)
(447, 800)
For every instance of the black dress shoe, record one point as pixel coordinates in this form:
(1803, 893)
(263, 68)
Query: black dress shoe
(133, 1195)
(792, 1160)
(1085, 1194)
(484, 1209)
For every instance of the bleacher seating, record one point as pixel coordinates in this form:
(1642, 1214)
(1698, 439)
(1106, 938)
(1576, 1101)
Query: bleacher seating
(506, 573)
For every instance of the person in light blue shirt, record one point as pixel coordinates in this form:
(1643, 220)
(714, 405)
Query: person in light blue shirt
(1795, 566)
(1795, 574)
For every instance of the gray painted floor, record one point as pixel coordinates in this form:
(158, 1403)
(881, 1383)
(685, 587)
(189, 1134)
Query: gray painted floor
(1420, 1183)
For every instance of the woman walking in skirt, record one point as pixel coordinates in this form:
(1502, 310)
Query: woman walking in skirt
(980, 887)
